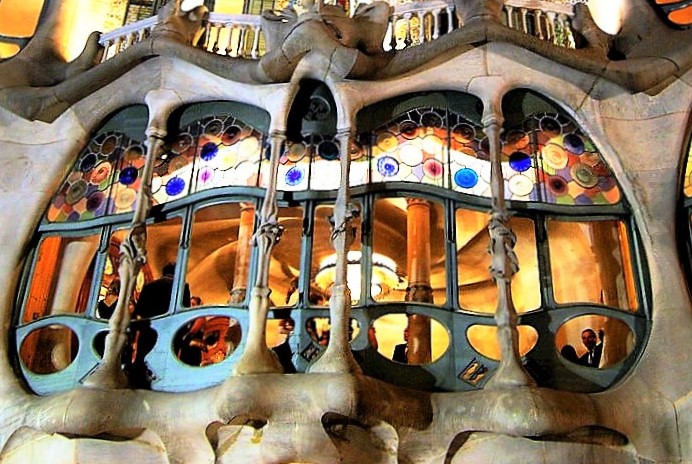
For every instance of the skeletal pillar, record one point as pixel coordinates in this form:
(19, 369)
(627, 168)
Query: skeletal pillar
(504, 265)
(133, 250)
(338, 357)
(257, 358)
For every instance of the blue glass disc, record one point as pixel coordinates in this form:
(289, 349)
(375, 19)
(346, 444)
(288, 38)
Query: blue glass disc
(574, 143)
(209, 151)
(328, 150)
(294, 176)
(387, 166)
(175, 186)
(466, 178)
(519, 161)
(128, 175)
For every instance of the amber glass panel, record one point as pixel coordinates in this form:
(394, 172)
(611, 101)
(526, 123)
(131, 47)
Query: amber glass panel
(284, 266)
(409, 251)
(591, 263)
(398, 338)
(61, 281)
(608, 339)
(324, 260)
(49, 349)
(219, 258)
(162, 249)
(18, 18)
(483, 338)
(477, 291)
(207, 340)
(8, 50)
(682, 16)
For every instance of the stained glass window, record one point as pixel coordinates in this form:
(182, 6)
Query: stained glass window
(106, 176)
(412, 148)
(551, 160)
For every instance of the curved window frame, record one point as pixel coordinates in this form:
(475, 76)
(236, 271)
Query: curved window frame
(454, 370)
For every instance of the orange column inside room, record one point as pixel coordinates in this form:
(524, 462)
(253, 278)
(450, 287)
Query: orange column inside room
(43, 281)
(419, 288)
(605, 245)
(243, 250)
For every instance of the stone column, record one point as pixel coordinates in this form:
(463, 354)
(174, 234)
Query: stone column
(504, 264)
(418, 270)
(338, 357)
(257, 358)
(133, 250)
(242, 253)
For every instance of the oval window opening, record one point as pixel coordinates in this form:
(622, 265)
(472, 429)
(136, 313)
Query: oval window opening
(410, 339)
(319, 330)
(594, 341)
(483, 339)
(49, 349)
(207, 340)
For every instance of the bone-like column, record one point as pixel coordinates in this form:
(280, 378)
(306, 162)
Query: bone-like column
(242, 253)
(133, 250)
(419, 289)
(503, 266)
(338, 357)
(257, 359)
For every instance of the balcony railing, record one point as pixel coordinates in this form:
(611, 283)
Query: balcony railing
(410, 24)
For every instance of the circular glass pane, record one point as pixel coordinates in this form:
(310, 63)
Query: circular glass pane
(594, 341)
(483, 338)
(410, 338)
(49, 349)
(207, 340)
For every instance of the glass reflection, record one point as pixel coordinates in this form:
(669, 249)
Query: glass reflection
(418, 272)
(483, 339)
(477, 290)
(61, 282)
(594, 341)
(207, 340)
(49, 349)
(409, 339)
(591, 263)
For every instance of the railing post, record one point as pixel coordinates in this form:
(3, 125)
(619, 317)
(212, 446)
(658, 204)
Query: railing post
(510, 12)
(537, 14)
(436, 14)
(408, 40)
(255, 42)
(421, 26)
(550, 15)
(392, 40)
(524, 24)
(450, 20)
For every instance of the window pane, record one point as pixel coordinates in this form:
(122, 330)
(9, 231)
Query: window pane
(324, 260)
(284, 267)
(219, 260)
(594, 341)
(410, 339)
(591, 263)
(477, 291)
(156, 278)
(18, 18)
(207, 340)
(61, 282)
(408, 262)
(49, 349)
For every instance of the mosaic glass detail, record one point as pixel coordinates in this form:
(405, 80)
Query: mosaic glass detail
(310, 164)
(104, 179)
(412, 148)
(216, 151)
(687, 188)
(550, 160)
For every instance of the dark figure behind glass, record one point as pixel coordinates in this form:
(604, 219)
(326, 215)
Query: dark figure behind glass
(594, 350)
(154, 300)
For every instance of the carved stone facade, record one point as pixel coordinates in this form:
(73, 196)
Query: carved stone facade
(637, 109)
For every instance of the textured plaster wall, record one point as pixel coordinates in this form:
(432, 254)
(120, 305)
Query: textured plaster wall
(641, 137)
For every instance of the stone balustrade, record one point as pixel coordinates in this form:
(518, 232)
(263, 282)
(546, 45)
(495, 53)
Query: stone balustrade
(411, 24)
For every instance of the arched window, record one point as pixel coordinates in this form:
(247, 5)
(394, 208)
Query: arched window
(18, 21)
(422, 296)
